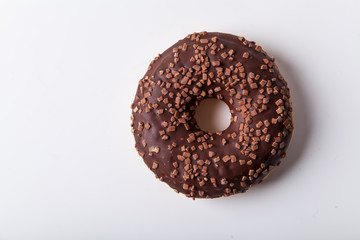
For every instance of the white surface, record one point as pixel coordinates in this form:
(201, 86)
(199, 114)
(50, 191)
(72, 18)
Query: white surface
(68, 168)
(212, 115)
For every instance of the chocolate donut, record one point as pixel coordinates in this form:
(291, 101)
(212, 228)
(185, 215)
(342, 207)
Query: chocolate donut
(202, 164)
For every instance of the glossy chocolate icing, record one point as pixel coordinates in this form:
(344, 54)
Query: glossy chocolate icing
(209, 165)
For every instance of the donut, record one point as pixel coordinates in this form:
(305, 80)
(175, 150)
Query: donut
(203, 164)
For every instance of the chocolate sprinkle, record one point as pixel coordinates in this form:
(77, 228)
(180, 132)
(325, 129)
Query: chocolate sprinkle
(200, 164)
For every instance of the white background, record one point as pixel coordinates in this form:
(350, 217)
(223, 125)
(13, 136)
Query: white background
(68, 167)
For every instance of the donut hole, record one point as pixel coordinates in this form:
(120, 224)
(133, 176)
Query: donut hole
(213, 115)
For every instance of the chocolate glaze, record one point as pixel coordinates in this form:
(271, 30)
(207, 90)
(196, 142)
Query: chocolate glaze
(198, 173)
